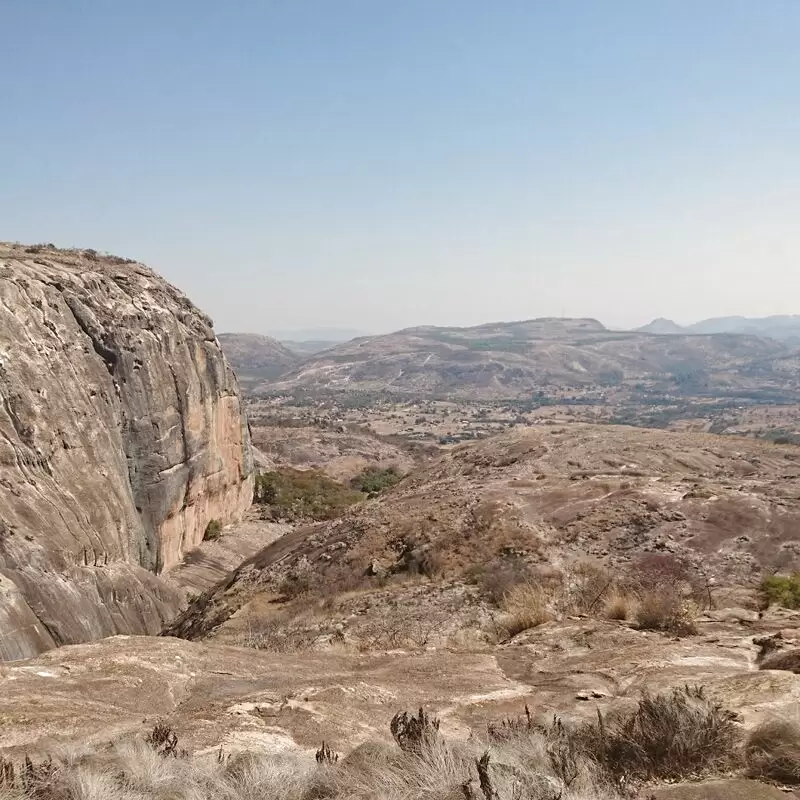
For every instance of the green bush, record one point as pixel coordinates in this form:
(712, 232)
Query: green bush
(373, 481)
(213, 530)
(782, 590)
(294, 494)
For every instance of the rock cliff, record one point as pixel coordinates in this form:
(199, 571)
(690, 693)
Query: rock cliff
(121, 436)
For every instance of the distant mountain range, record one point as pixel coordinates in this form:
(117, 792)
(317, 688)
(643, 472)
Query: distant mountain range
(514, 359)
(784, 328)
(332, 335)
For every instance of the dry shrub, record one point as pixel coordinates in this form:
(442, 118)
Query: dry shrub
(498, 578)
(416, 556)
(668, 736)
(585, 586)
(414, 733)
(525, 607)
(657, 573)
(772, 751)
(164, 740)
(655, 570)
(617, 605)
(666, 611)
(437, 771)
(278, 635)
(788, 660)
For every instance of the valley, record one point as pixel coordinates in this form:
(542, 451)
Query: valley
(229, 566)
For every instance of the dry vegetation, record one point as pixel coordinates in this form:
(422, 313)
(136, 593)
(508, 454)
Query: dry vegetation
(788, 660)
(659, 592)
(301, 495)
(725, 510)
(670, 736)
(772, 751)
(500, 601)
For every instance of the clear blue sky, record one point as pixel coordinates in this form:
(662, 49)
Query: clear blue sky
(374, 164)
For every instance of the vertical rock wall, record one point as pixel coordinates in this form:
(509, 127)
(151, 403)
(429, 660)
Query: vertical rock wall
(122, 435)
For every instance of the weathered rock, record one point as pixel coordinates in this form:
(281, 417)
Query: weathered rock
(243, 698)
(121, 436)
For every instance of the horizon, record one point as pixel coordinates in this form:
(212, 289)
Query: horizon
(335, 334)
(370, 167)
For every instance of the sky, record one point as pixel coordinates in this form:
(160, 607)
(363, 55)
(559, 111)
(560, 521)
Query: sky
(377, 164)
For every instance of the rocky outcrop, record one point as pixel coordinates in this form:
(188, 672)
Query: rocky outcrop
(121, 436)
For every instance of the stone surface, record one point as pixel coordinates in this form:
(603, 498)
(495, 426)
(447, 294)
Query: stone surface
(121, 436)
(214, 694)
(730, 789)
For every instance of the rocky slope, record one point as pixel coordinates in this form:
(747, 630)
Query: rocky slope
(242, 698)
(513, 360)
(551, 496)
(121, 436)
(338, 451)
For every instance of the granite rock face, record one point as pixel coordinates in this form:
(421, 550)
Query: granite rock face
(122, 435)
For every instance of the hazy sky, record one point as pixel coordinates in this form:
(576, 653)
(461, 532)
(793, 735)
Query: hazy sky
(375, 164)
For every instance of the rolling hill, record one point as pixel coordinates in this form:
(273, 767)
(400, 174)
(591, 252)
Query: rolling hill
(512, 360)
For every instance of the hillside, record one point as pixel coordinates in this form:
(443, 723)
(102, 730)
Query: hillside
(662, 326)
(122, 437)
(253, 355)
(549, 496)
(513, 360)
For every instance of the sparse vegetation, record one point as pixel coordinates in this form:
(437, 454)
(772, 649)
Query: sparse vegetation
(525, 607)
(781, 590)
(617, 605)
(772, 751)
(372, 481)
(497, 578)
(788, 660)
(275, 635)
(665, 610)
(295, 495)
(669, 736)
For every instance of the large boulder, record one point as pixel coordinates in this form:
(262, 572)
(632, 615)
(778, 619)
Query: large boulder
(122, 435)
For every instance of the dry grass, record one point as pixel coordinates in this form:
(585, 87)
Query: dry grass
(670, 736)
(525, 607)
(436, 770)
(134, 771)
(772, 751)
